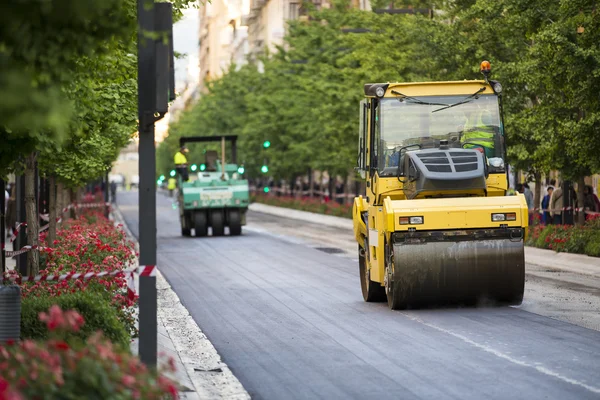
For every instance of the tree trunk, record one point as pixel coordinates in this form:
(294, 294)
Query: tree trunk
(33, 256)
(332, 189)
(580, 200)
(537, 196)
(310, 183)
(71, 198)
(53, 211)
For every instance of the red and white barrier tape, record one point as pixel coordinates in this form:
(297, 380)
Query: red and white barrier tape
(142, 270)
(18, 227)
(577, 209)
(315, 193)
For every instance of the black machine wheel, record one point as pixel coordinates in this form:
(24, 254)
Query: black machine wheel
(371, 291)
(395, 299)
(235, 222)
(200, 224)
(217, 223)
(186, 225)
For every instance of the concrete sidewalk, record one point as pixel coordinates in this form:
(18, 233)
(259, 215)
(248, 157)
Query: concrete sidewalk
(578, 263)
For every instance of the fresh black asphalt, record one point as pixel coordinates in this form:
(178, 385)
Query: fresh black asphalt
(290, 322)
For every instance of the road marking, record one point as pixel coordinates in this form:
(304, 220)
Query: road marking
(538, 367)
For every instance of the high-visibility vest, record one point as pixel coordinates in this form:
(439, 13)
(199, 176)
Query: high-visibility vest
(172, 184)
(180, 158)
(479, 133)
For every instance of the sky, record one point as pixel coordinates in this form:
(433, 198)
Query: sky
(185, 40)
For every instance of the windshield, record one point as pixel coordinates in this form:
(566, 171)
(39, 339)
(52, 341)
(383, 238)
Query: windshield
(425, 121)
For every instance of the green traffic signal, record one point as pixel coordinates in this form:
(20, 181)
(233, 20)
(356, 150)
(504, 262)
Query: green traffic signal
(266, 144)
(159, 182)
(162, 178)
(172, 173)
(194, 167)
(264, 169)
(266, 189)
(202, 167)
(241, 170)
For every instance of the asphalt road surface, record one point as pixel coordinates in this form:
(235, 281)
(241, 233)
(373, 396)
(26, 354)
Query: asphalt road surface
(290, 322)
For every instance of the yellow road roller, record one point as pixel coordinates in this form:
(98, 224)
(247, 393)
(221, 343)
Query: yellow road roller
(436, 226)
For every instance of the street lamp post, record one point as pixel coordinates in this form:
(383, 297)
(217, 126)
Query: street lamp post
(155, 90)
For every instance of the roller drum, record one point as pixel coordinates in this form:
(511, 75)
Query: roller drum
(450, 272)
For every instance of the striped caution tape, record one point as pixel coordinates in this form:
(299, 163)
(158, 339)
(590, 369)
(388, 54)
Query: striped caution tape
(307, 193)
(142, 270)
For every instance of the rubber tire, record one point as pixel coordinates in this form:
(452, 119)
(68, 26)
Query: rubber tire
(200, 224)
(187, 230)
(372, 291)
(395, 302)
(234, 218)
(217, 223)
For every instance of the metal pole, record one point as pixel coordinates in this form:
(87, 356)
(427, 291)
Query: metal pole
(147, 189)
(2, 226)
(106, 184)
(21, 217)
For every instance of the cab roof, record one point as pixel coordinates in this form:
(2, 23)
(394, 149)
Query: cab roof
(429, 88)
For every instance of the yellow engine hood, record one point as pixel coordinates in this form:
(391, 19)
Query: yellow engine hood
(455, 213)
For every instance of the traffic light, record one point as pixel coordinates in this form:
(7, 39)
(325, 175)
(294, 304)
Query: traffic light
(241, 170)
(162, 178)
(194, 167)
(264, 169)
(159, 182)
(172, 173)
(202, 167)
(266, 144)
(266, 189)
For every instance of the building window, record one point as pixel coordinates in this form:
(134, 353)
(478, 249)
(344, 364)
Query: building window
(294, 11)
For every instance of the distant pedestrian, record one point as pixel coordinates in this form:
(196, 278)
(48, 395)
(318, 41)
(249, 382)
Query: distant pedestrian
(171, 185)
(556, 205)
(546, 217)
(113, 191)
(6, 198)
(589, 201)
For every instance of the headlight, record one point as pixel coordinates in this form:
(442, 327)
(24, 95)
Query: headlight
(497, 87)
(496, 162)
(411, 220)
(380, 92)
(416, 220)
(498, 217)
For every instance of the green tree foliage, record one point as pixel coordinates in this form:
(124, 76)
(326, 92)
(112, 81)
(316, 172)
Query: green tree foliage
(305, 100)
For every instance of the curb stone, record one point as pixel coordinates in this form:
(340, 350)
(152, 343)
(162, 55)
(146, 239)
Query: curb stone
(578, 263)
(204, 370)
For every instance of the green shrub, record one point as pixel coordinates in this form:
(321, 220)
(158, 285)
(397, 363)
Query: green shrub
(93, 306)
(541, 240)
(592, 247)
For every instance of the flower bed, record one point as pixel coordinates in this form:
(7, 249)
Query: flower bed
(306, 204)
(65, 367)
(581, 239)
(90, 243)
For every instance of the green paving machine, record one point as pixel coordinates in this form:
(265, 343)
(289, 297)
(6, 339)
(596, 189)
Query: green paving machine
(216, 194)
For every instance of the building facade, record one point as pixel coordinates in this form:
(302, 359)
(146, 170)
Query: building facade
(236, 31)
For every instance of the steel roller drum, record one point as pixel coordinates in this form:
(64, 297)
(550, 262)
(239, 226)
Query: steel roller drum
(452, 272)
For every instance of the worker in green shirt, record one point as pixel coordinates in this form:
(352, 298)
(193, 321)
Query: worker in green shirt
(181, 163)
(480, 130)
